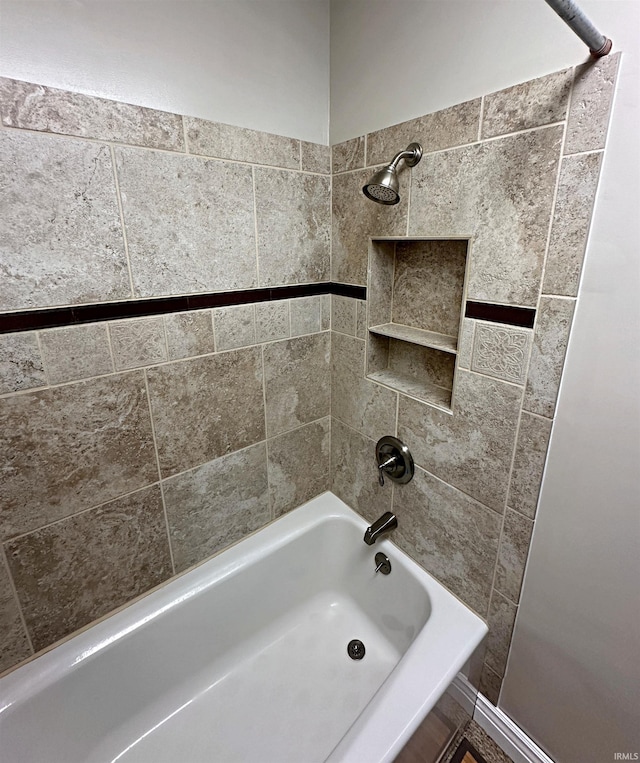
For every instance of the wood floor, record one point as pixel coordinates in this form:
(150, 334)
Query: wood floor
(467, 753)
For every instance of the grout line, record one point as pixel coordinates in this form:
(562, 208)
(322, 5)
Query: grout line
(112, 354)
(14, 591)
(213, 331)
(468, 496)
(81, 511)
(492, 139)
(47, 376)
(184, 134)
(517, 385)
(584, 153)
(255, 225)
(160, 364)
(397, 413)
(559, 296)
(122, 222)
(155, 450)
(172, 152)
(264, 395)
(164, 334)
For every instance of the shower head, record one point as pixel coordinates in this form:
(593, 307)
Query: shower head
(384, 186)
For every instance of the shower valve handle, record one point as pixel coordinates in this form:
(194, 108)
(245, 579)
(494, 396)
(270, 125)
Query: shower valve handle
(388, 464)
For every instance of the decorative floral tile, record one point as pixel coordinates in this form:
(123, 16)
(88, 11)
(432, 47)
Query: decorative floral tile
(501, 352)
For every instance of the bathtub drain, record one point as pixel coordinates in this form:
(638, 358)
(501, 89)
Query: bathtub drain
(355, 649)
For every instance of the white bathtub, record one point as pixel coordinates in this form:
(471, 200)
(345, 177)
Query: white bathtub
(245, 659)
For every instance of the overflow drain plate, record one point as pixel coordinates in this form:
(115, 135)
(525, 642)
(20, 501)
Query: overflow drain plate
(355, 649)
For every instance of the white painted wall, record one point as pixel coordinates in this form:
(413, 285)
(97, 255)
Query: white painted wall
(392, 60)
(262, 64)
(573, 675)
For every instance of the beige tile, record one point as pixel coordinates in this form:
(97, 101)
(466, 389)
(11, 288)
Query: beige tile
(465, 343)
(354, 472)
(551, 335)
(293, 213)
(76, 352)
(490, 685)
(218, 503)
(571, 221)
(502, 615)
(348, 155)
(454, 126)
(325, 312)
(470, 449)
(356, 218)
(272, 320)
(356, 401)
(428, 285)
(234, 326)
(299, 464)
(73, 572)
(421, 364)
(380, 284)
(452, 536)
(486, 191)
(138, 342)
(73, 447)
(501, 351)
(343, 314)
(240, 144)
(316, 157)
(189, 334)
(14, 644)
(190, 223)
(591, 100)
(20, 362)
(35, 107)
(528, 464)
(534, 103)
(60, 235)
(206, 407)
(297, 382)
(514, 549)
(306, 315)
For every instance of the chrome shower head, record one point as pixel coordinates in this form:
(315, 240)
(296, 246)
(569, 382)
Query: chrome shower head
(384, 187)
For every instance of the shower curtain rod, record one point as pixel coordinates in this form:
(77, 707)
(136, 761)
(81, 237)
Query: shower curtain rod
(599, 45)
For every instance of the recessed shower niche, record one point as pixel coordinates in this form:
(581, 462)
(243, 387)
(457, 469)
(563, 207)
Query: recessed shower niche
(416, 296)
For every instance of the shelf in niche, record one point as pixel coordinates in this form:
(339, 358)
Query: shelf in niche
(418, 336)
(416, 292)
(408, 385)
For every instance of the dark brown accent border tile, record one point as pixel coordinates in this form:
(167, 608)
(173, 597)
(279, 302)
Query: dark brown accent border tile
(508, 314)
(56, 317)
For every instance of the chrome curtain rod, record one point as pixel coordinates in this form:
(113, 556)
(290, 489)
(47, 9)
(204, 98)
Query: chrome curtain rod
(599, 45)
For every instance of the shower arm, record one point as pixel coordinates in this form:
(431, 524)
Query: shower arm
(599, 45)
(411, 155)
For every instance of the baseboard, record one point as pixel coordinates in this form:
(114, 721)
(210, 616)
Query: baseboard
(506, 734)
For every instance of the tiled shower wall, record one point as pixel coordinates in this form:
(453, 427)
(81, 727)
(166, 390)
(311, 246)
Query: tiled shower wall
(516, 172)
(132, 449)
(150, 420)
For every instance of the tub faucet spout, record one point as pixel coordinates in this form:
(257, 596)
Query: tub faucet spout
(385, 524)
